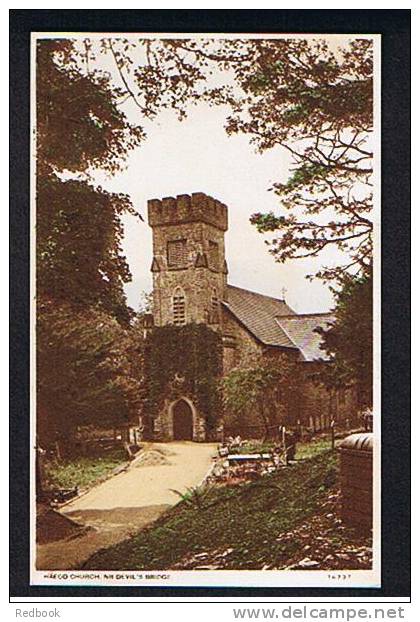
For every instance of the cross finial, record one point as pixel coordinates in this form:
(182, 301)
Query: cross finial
(283, 292)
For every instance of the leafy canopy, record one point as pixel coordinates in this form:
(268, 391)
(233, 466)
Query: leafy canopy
(88, 356)
(261, 394)
(79, 122)
(79, 231)
(348, 342)
(89, 370)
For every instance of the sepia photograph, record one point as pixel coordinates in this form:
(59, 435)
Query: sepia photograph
(205, 321)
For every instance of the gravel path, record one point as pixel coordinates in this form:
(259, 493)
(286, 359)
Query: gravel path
(120, 506)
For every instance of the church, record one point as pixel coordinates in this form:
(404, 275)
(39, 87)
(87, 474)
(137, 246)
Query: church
(190, 285)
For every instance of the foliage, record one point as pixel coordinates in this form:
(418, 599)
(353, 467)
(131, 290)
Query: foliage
(79, 121)
(317, 104)
(252, 516)
(82, 471)
(88, 358)
(348, 341)
(79, 237)
(146, 304)
(88, 370)
(188, 359)
(265, 391)
(79, 232)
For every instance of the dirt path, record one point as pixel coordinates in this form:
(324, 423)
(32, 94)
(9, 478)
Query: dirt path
(120, 506)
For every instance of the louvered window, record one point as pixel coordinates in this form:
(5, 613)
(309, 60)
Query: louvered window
(177, 253)
(178, 308)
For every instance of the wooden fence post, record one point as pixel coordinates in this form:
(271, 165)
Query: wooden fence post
(332, 434)
(299, 426)
(283, 442)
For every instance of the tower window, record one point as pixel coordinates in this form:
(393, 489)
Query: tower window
(213, 255)
(177, 253)
(178, 307)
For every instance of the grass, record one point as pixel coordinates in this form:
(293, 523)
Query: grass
(84, 470)
(242, 521)
(308, 449)
(254, 447)
(312, 448)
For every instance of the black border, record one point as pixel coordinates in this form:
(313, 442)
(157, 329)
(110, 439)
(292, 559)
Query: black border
(394, 25)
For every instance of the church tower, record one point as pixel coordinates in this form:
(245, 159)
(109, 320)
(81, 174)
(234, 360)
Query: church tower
(189, 267)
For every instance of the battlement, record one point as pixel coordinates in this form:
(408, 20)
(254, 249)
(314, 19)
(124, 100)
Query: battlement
(185, 208)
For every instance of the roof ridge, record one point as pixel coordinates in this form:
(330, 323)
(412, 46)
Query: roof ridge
(250, 291)
(286, 332)
(257, 312)
(254, 333)
(298, 315)
(302, 330)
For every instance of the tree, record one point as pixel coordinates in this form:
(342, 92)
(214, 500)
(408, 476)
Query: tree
(79, 235)
(298, 94)
(89, 371)
(79, 232)
(88, 356)
(145, 306)
(348, 341)
(317, 104)
(260, 395)
(79, 121)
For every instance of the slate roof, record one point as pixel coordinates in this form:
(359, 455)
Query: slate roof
(274, 323)
(300, 330)
(258, 314)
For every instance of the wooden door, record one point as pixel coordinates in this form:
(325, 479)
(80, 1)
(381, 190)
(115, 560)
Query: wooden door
(182, 421)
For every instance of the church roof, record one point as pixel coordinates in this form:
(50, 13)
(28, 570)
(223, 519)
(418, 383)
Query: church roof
(274, 323)
(258, 314)
(301, 331)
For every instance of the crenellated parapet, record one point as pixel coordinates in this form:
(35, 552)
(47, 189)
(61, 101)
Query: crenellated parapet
(185, 208)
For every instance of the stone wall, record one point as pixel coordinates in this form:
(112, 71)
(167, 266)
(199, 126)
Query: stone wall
(188, 257)
(185, 208)
(197, 282)
(243, 350)
(311, 404)
(239, 346)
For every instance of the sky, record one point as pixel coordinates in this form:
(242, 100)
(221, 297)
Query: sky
(196, 155)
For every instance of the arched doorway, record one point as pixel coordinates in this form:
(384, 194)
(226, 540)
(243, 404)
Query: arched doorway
(182, 421)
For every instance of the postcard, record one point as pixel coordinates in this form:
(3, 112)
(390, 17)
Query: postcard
(205, 244)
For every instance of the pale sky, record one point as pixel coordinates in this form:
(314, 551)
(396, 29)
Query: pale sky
(196, 155)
